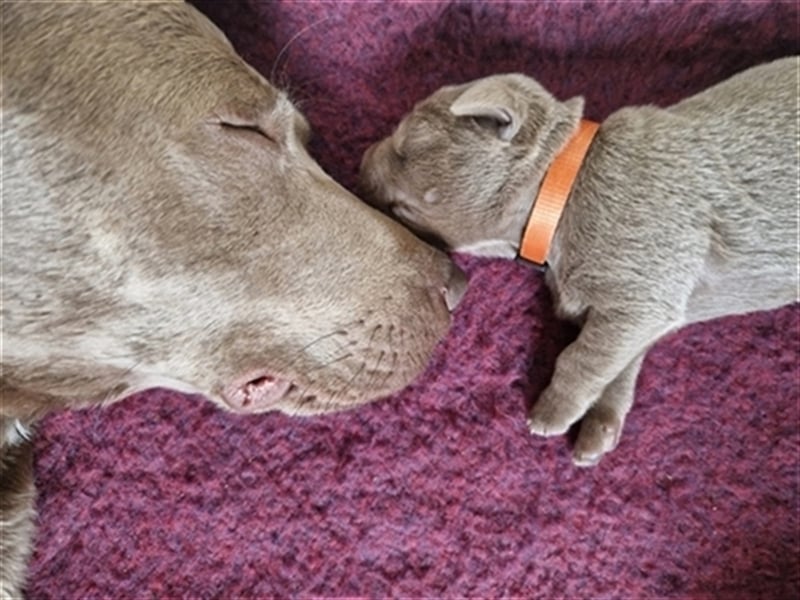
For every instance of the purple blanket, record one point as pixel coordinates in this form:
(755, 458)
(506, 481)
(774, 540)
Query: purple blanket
(439, 491)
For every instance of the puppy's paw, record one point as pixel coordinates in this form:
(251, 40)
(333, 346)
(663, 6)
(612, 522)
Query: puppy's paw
(552, 415)
(599, 434)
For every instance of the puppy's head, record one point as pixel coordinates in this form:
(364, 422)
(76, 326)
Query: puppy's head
(462, 168)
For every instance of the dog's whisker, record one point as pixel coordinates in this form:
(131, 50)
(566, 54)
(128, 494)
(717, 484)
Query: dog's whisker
(333, 361)
(390, 371)
(299, 354)
(376, 366)
(348, 384)
(291, 41)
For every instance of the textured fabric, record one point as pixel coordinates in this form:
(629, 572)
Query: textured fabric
(440, 491)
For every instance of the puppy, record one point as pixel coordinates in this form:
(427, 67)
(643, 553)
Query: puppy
(670, 212)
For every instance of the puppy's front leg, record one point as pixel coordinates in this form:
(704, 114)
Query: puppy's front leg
(602, 425)
(607, 344)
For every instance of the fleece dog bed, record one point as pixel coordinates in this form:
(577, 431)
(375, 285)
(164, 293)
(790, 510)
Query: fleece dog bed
(439, 491)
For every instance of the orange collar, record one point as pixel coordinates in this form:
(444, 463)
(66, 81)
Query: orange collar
(553, 194)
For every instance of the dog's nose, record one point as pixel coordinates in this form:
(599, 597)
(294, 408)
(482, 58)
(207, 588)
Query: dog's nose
(455, 288)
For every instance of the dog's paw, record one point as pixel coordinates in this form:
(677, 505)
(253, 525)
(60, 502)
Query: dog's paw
(599, 434)
(552, 415)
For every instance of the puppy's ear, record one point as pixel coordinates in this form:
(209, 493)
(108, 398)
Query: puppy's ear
(398, 138)
(495, 102)
(574, 107)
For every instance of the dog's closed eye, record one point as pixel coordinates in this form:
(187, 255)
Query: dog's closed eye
(251, 128)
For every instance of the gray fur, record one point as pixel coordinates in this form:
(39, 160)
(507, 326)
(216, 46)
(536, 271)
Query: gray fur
(677, 215)
(163, 224)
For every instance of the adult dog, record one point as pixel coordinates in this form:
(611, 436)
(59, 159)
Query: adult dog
(163, 224)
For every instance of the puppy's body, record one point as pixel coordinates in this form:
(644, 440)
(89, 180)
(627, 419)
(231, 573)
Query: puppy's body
(677, 215)
(163, 224)
(706, 189)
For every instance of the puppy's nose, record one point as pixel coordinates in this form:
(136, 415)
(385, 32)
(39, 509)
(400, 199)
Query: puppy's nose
(455, 288)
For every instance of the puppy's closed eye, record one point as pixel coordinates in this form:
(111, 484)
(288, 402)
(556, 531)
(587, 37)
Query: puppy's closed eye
(402, 211)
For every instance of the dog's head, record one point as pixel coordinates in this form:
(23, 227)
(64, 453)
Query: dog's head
(164, 224)
(463, 166)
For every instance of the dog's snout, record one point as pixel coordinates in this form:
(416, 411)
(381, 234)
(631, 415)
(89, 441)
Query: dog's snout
(455, 288)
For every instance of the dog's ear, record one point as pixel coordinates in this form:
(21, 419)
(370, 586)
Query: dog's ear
(494, 103)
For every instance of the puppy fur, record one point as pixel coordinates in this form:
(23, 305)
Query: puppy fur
(677, 215)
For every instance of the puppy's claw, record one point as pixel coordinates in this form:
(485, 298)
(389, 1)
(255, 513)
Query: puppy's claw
(549, 417)
(580, 459)
(599, 434)
(544, 427)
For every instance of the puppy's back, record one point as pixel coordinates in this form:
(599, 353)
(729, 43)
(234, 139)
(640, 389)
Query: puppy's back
(702, 196)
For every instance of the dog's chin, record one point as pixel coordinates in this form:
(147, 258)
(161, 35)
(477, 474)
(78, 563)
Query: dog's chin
(146, 382)
(297, 402)
(489, 248)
